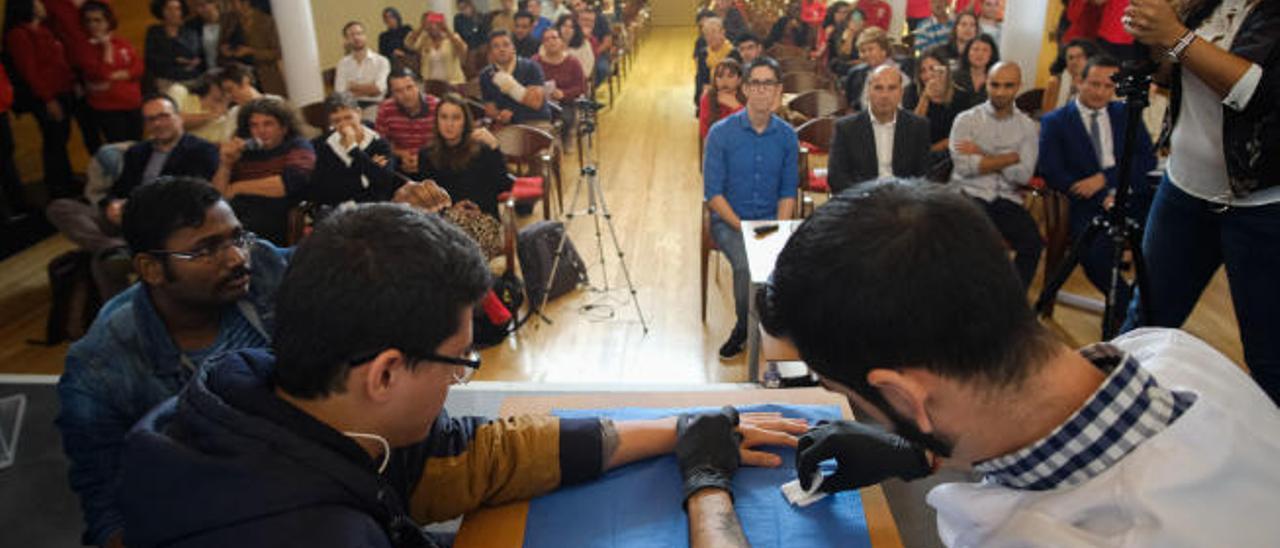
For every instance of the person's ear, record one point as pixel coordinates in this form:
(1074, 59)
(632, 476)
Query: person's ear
(150, 269)
(905, 393)
(379, 377)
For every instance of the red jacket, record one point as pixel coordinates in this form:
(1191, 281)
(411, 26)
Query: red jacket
(41, 60)
(103, 92)
(64, 21)
(878, 13)
(6, 91)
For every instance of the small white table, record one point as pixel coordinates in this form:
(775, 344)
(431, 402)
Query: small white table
(762, 254)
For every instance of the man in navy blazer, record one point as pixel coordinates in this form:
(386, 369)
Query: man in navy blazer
(1080, 149)
(183, 154)
(887, 141)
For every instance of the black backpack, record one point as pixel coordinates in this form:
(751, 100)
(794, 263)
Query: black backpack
(75, 297)
(537, 246)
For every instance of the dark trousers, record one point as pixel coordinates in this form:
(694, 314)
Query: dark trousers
(1187, 239)
(54, 135)
(1020, 232)
(90, 134)
(117, 126)
(14, 198)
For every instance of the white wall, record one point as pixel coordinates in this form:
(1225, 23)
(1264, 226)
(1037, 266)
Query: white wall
(1022, 37)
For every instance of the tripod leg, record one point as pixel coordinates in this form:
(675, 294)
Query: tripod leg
(1049, 293)
(1141, 283)
(626, 273)
(604, 267)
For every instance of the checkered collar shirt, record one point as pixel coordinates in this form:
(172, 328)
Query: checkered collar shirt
(1126, 410)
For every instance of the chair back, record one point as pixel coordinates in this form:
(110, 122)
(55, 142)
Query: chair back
(800, 82)
(329, 76)
(818, 103)
(786, 52)
(816, 134)
(314, 115)
(1030, 102)
(477, 58)
(528, 150)
(439, 88)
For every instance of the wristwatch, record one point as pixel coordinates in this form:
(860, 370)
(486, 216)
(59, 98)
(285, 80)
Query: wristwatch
(1175, 52)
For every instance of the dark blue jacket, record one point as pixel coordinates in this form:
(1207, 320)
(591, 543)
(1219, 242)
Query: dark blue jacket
(228, 463)
(125, 365)
(1067, 155)
(529, 74)
(192, 157)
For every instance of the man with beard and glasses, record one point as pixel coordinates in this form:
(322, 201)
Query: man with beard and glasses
(206, 287)
(1151, 439)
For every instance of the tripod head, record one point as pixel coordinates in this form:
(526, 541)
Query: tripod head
(587, 109)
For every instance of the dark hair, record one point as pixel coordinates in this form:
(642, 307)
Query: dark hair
(763, 61)
(457, 157)
(403, 72)
(988, 40)
(578, 37)
(156, 210)
(269, 106)
(830, 17)
(914, 275)
(956, 25)
(500, 33)
(234, 73)
(749, 37)
(157, 96)
(1060, 62)
(942, 57)
(523, 15)
(157, 8)
(1100, 60)
(18, 12)
(349, 25)
(703, 14)
(339, 100)
(732, 65)
(406, 277)
(395, 13)
(105, 10)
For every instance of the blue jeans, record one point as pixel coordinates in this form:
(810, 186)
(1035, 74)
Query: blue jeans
(729, 240)
(1185, 243)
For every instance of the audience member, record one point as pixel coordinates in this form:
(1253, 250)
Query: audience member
(939, 102)
(470, 25)
(1079, 20)
(935, 30)
(464, 160)
(13, 196)
(877, 13)
(112, 71)
(989, 19)
(1064, 446)
(203, 108)
(1065, 72)
(64, 19)
(206, 286)
(407, 118)
(962, 33)
(576, 44)
(208, 27)
(522, 35)
(723, 98)
(353, 162)
(40, 63)
(842, 45)
(1111, 34)
(749, 48)
(441, 52)
(749, 172)
(540, 23)
(236, 83)
(918, 11)
(1081, 145)
(512, 86)
(814, 12)
(833, 23)
(265, 167)
(791, 29)
(873, 51)
(502, 18)
(393, 43)
(555, 9)
(882, 142)
(994, 148)
(979, 56)
(249, 37)
(361, 72)
(173, 49)
(364, 407)
(601, 44)
(565, 79)
(734, 23)
(716, 48)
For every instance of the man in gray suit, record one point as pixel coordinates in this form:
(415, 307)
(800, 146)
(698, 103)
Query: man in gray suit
(881, 142)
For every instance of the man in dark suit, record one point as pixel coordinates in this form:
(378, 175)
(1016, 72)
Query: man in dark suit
(1080, 149)
(169, 150)
(885, 141)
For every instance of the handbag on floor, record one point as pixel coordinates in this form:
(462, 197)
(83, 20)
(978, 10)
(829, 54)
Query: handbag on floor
(537, 246)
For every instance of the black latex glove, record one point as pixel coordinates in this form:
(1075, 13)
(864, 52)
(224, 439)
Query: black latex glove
(866, 455)
(707, 450)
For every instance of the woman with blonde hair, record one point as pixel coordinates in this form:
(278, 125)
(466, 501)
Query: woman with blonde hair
(441, 51)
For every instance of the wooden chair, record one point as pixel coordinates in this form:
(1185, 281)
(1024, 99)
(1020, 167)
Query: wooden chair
(314, 114)
(815, 139)
(439, 88)
(1030, 102)
(818, 103)
(476, 59)
(800, 82)
(329, 76)
(798, 64)
(532, 156)
(783, 52)
(1056, 209)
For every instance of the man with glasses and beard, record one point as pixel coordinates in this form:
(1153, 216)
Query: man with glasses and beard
(206, 287)
(749, 172)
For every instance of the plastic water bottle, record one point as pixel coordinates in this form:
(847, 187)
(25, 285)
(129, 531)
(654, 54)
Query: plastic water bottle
(772, 379)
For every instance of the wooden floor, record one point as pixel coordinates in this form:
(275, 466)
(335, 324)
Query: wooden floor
(648, 164)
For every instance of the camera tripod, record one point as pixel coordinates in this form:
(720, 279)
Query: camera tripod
(596, 207)
(1132, 83)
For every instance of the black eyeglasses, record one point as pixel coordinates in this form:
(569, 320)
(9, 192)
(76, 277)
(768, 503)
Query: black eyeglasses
(210, 252)
(469, 361)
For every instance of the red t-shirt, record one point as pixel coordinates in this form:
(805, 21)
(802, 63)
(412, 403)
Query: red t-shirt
(918, 9)
(813, 12)
(103, 92)
(41, 60)
(1082, 16)
(1109, 26)
(877, 13)
(704, 113)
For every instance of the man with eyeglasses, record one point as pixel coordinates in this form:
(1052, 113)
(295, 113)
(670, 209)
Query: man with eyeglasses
(206, 286)
(168, 150)
(749, 172)
(340, 438)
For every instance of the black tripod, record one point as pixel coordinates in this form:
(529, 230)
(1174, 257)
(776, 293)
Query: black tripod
(1132, 83)
(596, 208)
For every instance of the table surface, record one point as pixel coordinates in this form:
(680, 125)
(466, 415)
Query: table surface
(504, 525)
(762, 252)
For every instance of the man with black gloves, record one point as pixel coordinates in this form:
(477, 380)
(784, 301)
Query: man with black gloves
(1151, 439)
(707, 452)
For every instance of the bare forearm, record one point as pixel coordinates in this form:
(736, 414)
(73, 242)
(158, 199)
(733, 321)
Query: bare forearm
(221, 178)
(713, 522)
(1217, 68)
(639, 440)
(786, 208)
(940, 145)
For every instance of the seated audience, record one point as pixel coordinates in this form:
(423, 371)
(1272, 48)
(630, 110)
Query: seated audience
(791, 29)
(564, 76)
(1065, 73)
(464, 160)
(237, 84)
(576, 44)
(249, 37)
(873, 51)
(174, 52)
(264, 169)
(939, 102)
(204, 107)
(470, 25)
(842, 44)
(353, 163)
(363, 407)
(1118, 443)
(168, 151)
(512, 86)
(392, 43)
(1081, 146)
(881, 142)
(540, 23)
(112, 72)
(833, 22)
(407, 118)
(361, 72)
(601, 43)
(994, 148)
(723, 98)
(935, 30)
(989, 19)
(208, 28)
(441, 52)
(714, 49)
(749, 48)
(40, 59)
(962, 33)
(749, 172)
(522, 35)
(206, 286)
(980, 55)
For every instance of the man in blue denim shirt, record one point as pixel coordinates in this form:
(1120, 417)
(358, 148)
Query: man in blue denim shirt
(207, 286)
(749, 172)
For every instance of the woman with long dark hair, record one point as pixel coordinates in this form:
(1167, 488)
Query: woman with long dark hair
(173, 50)
(723, 97)
(963, 31)
(112, 71)
(576, 44)
(42, 67)
(938, 100)
(465, 163)
(979, 56)
(391, 41)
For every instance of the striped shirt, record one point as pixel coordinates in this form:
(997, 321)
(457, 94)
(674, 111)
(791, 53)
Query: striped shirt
(403, 131)
(932, 33)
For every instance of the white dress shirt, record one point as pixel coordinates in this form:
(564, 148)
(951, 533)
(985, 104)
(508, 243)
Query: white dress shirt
(1108, 159)
(373, 69)
(1013, 133)
(884, 144)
